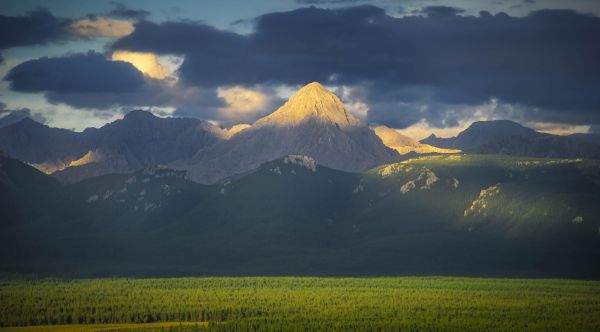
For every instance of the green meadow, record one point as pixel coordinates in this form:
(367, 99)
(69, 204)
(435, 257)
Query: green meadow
(300, 304)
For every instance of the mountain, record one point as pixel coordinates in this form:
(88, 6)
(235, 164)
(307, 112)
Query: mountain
(13, 117)
(404, 144)
(448, 214)
(593, 138)
(48, 148)
(313, 122)
(236, 129)
(483, 132)
(140, 139)
(25, 195)
(510, 138)
(551, 146)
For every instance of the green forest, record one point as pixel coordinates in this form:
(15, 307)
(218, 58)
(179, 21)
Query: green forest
(291, 303)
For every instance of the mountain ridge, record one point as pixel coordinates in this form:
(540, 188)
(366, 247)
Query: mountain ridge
(139, 139)
(313, 122)
(507, 137)
(469, 214)
(404, 144)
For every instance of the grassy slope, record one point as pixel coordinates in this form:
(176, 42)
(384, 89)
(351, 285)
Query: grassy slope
(431, 303)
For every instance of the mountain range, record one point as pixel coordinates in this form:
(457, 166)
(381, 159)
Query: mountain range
(510, 138)
(307, 190)
(453, 214)
(314, 122)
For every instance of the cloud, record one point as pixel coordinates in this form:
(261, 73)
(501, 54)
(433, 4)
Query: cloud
(123, 11)
(243, 104)
(92, 82)
(452, 119)
(434, 67)
(78, 73)
(145, 62)
(441, 11)
(546, 61)
(328, 2)
(559, 128)
(36, 27)
(523, 4)
(101, 27)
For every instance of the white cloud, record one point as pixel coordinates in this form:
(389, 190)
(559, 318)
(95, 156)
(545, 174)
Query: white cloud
(353, 100)
(468, 114)
(242, 103)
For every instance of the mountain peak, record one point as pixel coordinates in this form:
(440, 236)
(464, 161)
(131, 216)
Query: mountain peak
(138, 115)
(311, 102)
(28, 122)
(498, 128)
(313, 87)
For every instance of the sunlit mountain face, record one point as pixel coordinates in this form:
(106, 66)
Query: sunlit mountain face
(449, 149)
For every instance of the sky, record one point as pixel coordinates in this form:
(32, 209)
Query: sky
(420, 66)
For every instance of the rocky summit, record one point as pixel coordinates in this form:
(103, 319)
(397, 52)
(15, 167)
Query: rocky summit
(313, 122)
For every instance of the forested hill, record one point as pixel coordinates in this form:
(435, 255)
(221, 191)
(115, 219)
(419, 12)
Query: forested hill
(457, 214)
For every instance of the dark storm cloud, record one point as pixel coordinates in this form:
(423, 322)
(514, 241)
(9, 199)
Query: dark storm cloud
(547, 60)
(91, 81)
(191, 101)
(328, 2)
(523, 4)
(123, 11)
(36, 27)
(79, 73)
(181, 38)
(441, 11)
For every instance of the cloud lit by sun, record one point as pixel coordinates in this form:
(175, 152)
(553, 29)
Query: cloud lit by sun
(147, 63)
(242, 103)
(102, 27)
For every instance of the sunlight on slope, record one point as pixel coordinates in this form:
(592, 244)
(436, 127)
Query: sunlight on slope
(404, 144)
(50, 167)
